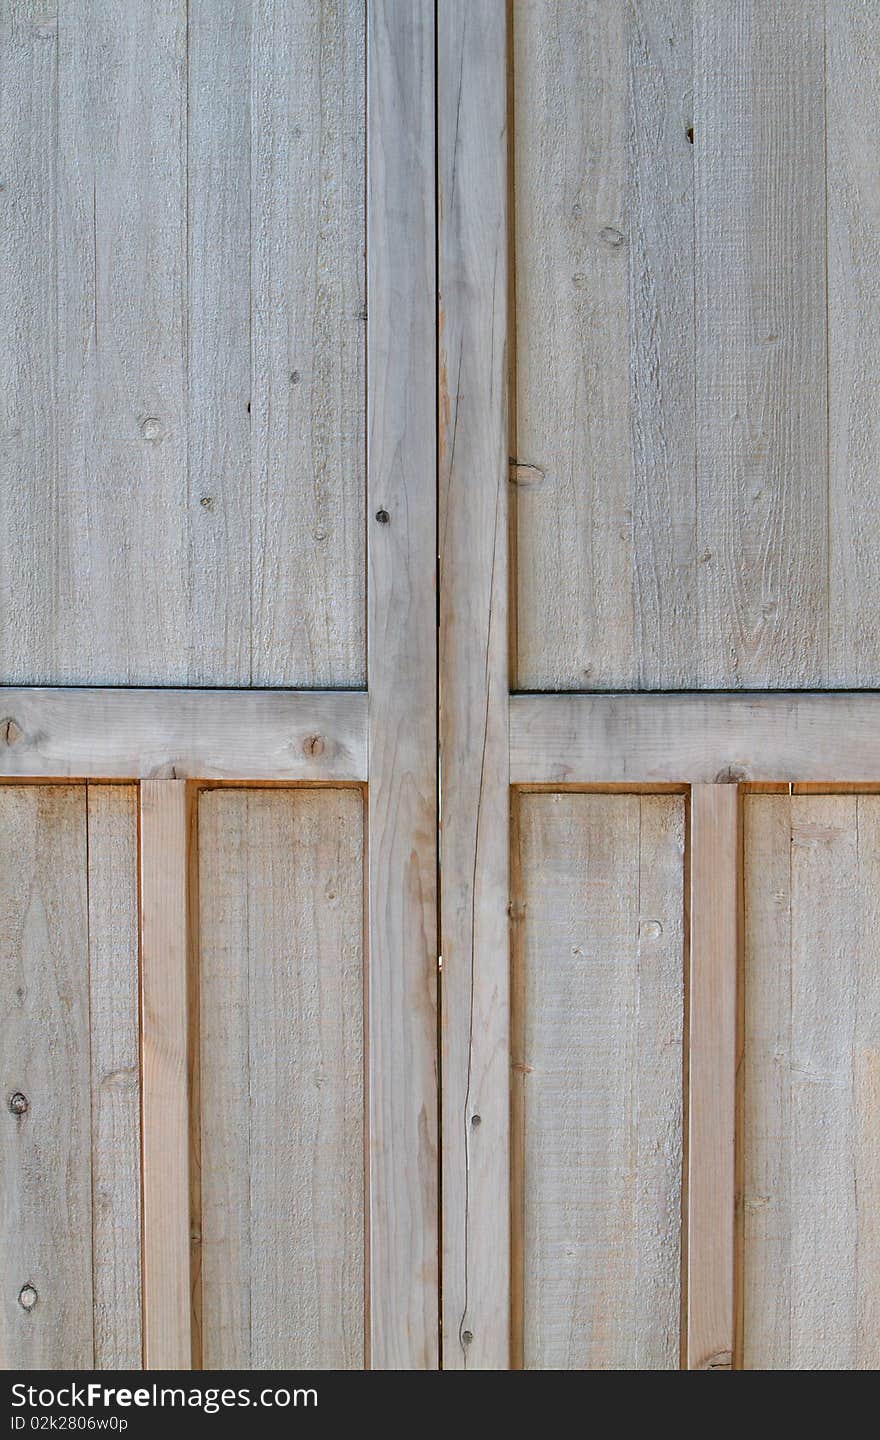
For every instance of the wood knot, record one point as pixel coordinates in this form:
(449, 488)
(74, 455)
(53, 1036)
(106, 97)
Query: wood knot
(313, 745)
(522, 473)
(612, 237)
(10, 730)
(151, 427)
(723, 1360)
(27, 1297)
(731, 775)
(19, 1104)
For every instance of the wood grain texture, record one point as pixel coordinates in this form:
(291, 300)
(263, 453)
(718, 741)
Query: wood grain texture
(29, 425)
(760, 374)
(218, 396)
(187, 734)
(118, 559)
(598, 1083)
(308, 347)
(114, 1038)
(282, 1079)
(660, 237)
(715, 847)
(183, 424)
(574, 516)
(695, 739)
(45, 1164)
(402, 551)
(811, 1084)
(852, 89)
(164, 1078)
(475, 796)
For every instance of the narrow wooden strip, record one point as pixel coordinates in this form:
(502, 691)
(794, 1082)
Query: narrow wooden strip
(472, 105)
(715, 904)
(701, 739)
(402, 549)
(184, 734)
(165, 1087)
(45, 1140)
(115, 1067)
(761, 591)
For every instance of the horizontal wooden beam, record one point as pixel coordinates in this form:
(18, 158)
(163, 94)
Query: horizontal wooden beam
(694, 738)
(310, 735)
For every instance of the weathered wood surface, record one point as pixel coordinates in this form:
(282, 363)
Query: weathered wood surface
(694, 739)
(696, 344)
(164, 838)
(183, 441)
(282, 1079)
(597, 1075)
(402, 627)
(115, 1074)
(475, 795)
(187, 734)
(45, 1162)
(811, 1084)
(714, 957)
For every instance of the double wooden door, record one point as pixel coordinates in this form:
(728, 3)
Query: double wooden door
(438, 641)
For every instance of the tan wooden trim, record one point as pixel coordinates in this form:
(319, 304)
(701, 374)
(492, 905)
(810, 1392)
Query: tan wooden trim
(298, 735)
(715, 867)
(694, 738)
(471, 104)
(165, 1079)
(402, 675)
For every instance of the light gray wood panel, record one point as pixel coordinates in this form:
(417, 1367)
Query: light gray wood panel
(308, 342)
(852, 88)
(183, 438)
(402, 679)
(694, 739)
(598, 1084)
(660, 232)
(118, 561)
(115, 1074)
(187, 734)
(218, 208)
(573, 502)
(46, 1174)
(760, 373)
(475, 793)
(282, 1079)
(29, 435)
(811, 1084)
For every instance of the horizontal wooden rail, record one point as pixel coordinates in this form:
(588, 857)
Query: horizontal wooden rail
(695, 738)
(183, 734)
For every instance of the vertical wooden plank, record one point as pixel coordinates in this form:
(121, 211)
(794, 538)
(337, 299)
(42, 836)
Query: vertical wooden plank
(218, 202)
(598, 1081)
(660, 235)
(402, 550)
(760, 375)
(573, 506)
(115, 1075)
(164, 1079)
(714, 916)
(812, 1098)
(308, 347)
(282, 1079)
(45, 1161)
(119, 558)
(852, 89)
(472, 120)
(28, 336)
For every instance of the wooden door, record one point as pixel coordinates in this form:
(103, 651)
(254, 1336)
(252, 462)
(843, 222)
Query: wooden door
(218, 647)
(657, 499)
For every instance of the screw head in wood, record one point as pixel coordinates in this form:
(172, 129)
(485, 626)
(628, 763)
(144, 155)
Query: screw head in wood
(19, 1104)
(27, 1297)
(476, 1120)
